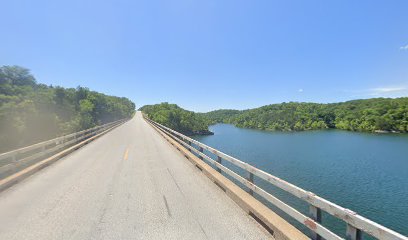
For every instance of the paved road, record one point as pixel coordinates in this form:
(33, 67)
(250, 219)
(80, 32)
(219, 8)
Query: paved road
(128, 184)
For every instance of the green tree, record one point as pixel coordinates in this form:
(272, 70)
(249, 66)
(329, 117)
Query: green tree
(176, 118)
(31, 112)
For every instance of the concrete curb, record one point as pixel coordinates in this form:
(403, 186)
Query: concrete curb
(276, 225)
(26, 172)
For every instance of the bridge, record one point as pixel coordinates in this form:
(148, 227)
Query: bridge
(137, 179)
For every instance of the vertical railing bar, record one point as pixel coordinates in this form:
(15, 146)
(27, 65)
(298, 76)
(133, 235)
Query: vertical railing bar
(250, 178)
(353, 233)
(219, 160)
(189, 143)
(201, 150)
(315, 213)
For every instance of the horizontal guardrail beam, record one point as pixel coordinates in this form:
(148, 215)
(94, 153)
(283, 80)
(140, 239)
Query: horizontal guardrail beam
(355, 223)
(22, 157)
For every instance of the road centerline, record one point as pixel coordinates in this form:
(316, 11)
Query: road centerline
(126, 155)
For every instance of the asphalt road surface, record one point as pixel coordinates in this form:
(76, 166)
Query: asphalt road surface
(128, 184)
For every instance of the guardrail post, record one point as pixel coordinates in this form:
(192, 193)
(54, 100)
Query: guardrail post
(219, 159)
(250, 178)
(189, 143)
(315, 214)
(201, 150)
(353, 233)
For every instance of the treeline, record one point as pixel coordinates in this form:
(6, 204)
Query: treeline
(370, 115)
(177, 118)
(221, 116)
(31, 112)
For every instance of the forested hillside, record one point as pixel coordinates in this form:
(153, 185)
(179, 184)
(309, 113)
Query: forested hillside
(222, 115)
(178, 119)
(370, 115)
(31, 112)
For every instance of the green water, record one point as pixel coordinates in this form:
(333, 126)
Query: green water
(367, 173)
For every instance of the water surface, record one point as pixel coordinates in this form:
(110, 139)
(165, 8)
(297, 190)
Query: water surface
(367, 173)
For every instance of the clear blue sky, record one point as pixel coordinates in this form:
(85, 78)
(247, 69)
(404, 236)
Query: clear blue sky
(212, 54)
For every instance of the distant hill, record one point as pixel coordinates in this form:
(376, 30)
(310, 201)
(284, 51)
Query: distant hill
(368, 115)
(31, 112)
(222, 115)
(177, 118)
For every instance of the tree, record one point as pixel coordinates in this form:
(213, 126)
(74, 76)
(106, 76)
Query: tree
(16, 75)
(176, 118)
(31, 112)
(368, 115)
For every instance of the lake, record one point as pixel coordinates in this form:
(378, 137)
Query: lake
(367, 173)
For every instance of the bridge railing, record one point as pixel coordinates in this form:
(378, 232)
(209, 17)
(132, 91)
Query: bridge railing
(355, 223)
(16, 160)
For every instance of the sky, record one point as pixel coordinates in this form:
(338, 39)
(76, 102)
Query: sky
(212, 54)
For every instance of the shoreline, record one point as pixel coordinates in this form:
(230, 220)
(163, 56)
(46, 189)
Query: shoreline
(383, 132)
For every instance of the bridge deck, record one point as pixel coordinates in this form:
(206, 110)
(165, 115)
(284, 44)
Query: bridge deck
(129, 184)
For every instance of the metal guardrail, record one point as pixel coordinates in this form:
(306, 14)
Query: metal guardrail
(355, 223)
(13, 161)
